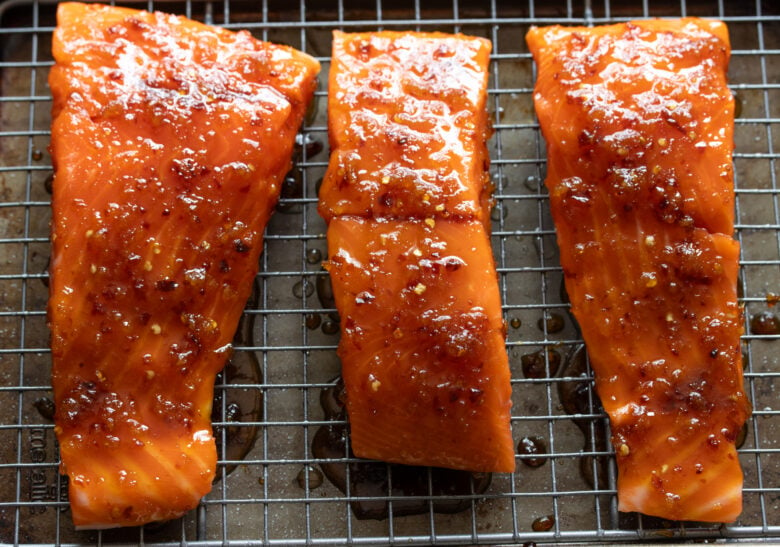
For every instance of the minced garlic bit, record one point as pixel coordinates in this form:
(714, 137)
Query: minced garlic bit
(93, 268)
(652, 282)
(398, 333)
(386, 179)
(439, 208)
(149, 374)
(375, 385)
(156, 329)
(669, 317)
(156, 248)
(417, 252)
(662, 142)
(624, 450)
(426, 198)
(99, 375)
(420, 288)
(649, 241)
(430, 222)
(656, 169)
(90, 233)
(148, 266)
(664, 468)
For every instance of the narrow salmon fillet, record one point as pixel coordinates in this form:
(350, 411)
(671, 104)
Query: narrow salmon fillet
(170, 140)
(639, 122)
(406, 196)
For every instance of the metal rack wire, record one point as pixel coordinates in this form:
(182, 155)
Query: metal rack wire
(269, 488)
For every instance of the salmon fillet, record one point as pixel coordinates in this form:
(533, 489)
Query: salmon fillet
(639, 122)
(406, 196)
(170, 140)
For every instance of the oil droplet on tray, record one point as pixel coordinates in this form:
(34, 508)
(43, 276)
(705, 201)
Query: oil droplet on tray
(515, 322)
(45, 407)
(313, 320)
(310, 473)
(313, 256)
(292, 188)
(499, 180)
(532, 446)
(552, 321)
(534, 365)
(303, 287)
(233, 412)
(497, 213)
(765, 322)
(330, 327)
(543, 524)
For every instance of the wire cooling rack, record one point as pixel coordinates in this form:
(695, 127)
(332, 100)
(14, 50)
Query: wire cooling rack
(270, 487)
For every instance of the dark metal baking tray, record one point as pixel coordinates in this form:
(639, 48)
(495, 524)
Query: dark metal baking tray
(269, 488)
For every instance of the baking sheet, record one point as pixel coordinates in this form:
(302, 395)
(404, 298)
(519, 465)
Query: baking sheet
(269, 403)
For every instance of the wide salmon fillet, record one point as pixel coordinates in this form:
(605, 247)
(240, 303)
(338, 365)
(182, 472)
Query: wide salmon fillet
(407, 199)
(170, 140)
(639, 122)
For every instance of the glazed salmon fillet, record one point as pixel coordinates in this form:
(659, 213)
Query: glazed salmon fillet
(639, 122)
(170, 140)
(406, 194)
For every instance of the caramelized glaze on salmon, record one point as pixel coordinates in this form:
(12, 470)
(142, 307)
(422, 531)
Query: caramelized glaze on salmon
(406, 196)
(638, 122)
(170, 140)
(407, 126)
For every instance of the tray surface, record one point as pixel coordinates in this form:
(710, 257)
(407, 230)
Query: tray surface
(270, 486)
